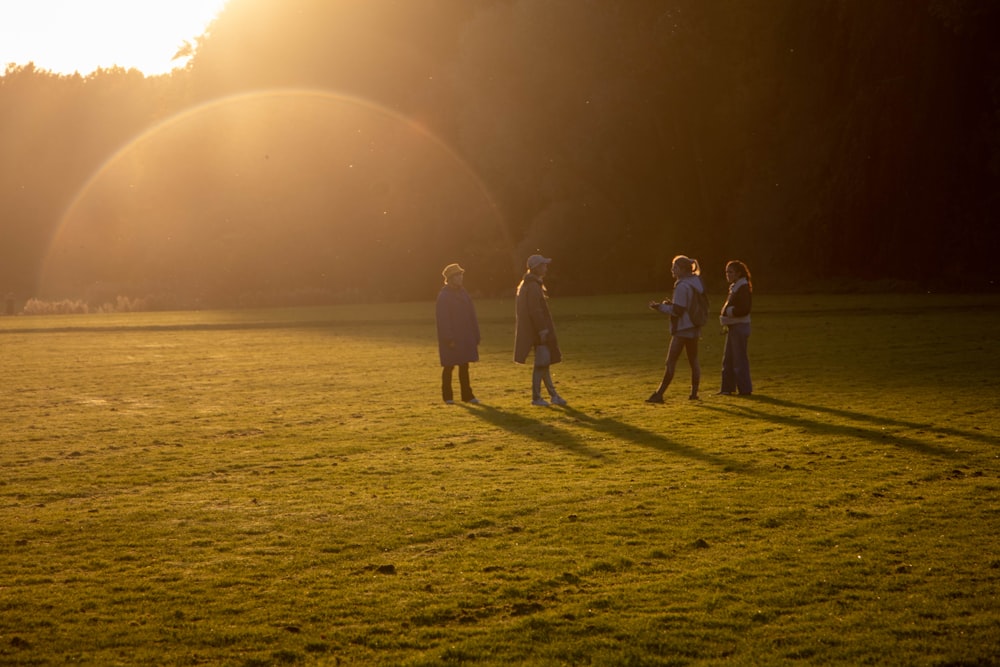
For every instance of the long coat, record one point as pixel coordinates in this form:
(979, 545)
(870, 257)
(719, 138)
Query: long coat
(532, 313)
(457, 327)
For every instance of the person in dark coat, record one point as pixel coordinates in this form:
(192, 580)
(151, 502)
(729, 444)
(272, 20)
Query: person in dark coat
(458, 333)
(735, 318)
(536, 331)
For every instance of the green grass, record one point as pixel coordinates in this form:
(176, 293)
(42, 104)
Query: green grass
(286, 487)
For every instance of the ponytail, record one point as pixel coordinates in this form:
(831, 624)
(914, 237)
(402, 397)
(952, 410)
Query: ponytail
(689, 265)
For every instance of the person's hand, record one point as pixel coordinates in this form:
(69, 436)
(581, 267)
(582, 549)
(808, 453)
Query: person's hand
(654, 305)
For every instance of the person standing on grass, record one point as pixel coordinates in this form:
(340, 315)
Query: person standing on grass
(735, 319)
(458, 333)
(535, 330)
(684, 334)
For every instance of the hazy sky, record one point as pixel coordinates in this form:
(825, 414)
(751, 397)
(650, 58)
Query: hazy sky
(67, 36)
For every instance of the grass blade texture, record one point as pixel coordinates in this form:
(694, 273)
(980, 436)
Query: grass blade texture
(276, 487)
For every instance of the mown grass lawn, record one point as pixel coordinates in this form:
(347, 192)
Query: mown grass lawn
(281, 487)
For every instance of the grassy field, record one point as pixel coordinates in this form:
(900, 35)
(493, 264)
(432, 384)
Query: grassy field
(282, 487)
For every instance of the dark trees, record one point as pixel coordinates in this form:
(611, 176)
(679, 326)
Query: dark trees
(825, 143)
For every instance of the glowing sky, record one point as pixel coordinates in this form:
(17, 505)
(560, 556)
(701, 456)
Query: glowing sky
(67, 36)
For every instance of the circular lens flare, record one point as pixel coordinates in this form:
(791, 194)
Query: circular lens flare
(274, 197)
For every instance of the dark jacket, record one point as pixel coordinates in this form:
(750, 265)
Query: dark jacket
(457, 327)
(532, 313)
(737, 308)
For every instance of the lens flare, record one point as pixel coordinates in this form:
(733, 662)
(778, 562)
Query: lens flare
(274, 196)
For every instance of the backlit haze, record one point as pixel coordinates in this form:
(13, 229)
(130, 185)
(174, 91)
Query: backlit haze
(314, 152)
(67, 36)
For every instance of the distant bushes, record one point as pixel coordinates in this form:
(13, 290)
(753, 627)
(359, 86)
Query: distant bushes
(122, 304)
(250, 299)
(64, 307)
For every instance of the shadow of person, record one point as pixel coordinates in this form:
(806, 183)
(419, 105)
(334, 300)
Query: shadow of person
(645, 438)
(754, 408)
(617, 430)
(881, 421)
(534, 429)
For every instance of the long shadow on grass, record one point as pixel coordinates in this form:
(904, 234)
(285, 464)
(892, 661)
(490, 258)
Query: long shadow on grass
(534, 429)
(744, 407)
(881, 421)
(635, 435)
(544, 432)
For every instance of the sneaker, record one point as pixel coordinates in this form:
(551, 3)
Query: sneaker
(558, 400)
(450, 402)
(472, 400)
(694, 397)
(655, 398)
(541, 402)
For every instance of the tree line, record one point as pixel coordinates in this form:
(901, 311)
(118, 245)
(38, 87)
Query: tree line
(328, 150)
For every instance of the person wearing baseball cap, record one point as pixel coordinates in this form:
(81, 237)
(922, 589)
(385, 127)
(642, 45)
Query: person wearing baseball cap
(536, 331)
(536, 261)
(458, 333)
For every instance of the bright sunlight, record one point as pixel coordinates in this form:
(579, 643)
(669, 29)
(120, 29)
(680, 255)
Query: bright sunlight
(67, 36)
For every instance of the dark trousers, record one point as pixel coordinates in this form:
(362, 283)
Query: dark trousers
(463, 381)
(736, 361)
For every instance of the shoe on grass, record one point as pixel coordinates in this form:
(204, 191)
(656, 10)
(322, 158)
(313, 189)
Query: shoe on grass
(558, 400)
(540, 402)
(655, 398)
(473, 400)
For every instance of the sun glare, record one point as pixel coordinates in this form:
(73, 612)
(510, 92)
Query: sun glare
(67, 36)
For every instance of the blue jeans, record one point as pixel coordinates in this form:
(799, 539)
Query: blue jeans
(736, 362)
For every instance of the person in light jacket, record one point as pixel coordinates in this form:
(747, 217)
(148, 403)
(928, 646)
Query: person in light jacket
(458, 333)
(684, 334)
(535, 330)
(735, 319)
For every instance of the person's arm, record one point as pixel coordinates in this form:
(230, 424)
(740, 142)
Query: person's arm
(661, 306)
(536, 310)
(682, 299)
(446, 334)
(475, 322)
